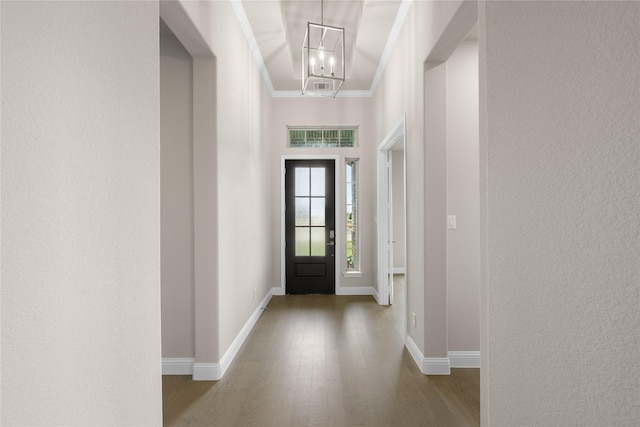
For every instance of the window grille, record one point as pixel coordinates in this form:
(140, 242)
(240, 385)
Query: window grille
(301, 137)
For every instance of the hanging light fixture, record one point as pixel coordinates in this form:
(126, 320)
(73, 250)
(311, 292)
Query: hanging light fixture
(322, 58)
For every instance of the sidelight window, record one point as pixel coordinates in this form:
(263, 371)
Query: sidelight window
(353, 259)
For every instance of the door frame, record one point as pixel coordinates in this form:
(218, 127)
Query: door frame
(338, 227)
(395, 134)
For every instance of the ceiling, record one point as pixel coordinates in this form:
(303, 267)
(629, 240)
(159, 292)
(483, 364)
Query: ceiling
(276, 29)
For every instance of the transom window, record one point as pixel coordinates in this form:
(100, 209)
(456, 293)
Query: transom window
(301, 137)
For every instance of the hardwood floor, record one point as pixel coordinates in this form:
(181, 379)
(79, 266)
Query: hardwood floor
(325, 360)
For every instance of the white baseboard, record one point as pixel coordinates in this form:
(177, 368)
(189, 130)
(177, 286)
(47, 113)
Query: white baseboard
(356, 290)
(428, 365)
(436, 366)
(414, 351)
(177, 365)
(376, 295)
(215, 371)
(464, 359)
(206, 372)
(343, 290)
(232, 351)
(398, 270)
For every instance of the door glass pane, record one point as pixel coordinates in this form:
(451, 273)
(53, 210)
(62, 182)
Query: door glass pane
(318, 243)
(302, 181)
(302, 211)
(302, 241)
(317, 211)
(317, 181)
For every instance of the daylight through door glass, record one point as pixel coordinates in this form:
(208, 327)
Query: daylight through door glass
(310, 202)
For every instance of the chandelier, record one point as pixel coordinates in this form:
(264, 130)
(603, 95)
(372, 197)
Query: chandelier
(322, 58)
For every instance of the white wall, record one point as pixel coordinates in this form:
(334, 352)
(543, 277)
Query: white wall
(463, 199)
(561, 162)
(176, 200)
(329, 111)
(80, 214)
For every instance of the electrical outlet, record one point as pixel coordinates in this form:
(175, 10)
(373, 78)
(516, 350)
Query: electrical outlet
(413, 320)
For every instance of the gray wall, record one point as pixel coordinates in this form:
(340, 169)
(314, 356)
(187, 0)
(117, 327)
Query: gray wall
(463, 199)
(398, 209)
(561, 192)
(176, 199)
(80, 214)
(232, 193)
(329, 111)
(402, 91)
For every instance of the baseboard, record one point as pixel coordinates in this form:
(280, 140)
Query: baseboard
(344, 290)
(464, 359)
(436, 366)
(398, 270)
(376, 295)
(215, 371)
(356, 290)
(177, 365)
(428, 365)
(233, 349)
(414, 351)
(206, 372)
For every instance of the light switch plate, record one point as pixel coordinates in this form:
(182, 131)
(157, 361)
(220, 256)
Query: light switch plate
(451, 222)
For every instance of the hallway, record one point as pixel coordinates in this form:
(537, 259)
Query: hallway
(325, 360)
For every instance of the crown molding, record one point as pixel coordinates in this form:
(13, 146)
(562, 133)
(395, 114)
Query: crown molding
(403, 10)
(341, 94)
(238, 8)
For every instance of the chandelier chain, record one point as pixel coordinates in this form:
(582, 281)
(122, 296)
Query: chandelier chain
(322, 12)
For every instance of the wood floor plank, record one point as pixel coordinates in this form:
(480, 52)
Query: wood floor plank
(325, 360)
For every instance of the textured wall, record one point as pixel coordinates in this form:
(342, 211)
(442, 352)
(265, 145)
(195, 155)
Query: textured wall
(80, 214)
(561, 336)
(176, 182)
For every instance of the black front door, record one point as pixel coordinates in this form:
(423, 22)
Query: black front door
(310, 226)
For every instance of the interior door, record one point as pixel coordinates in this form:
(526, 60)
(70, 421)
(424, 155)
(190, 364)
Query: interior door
(310, 226)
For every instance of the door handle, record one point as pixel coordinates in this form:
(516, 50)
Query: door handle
(331, 243)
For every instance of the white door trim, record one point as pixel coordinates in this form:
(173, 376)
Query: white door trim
(397, 132)
(338, 204)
